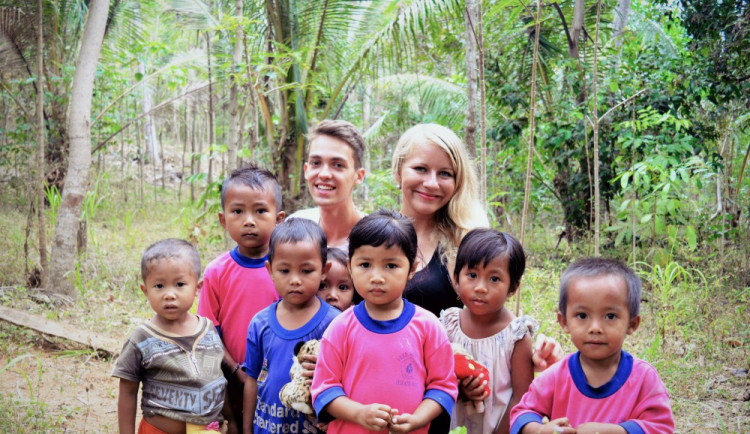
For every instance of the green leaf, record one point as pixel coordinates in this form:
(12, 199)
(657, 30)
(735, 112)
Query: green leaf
(138, 76)
(646, 218)
(691, 236)
(613, 86)
(659, 224)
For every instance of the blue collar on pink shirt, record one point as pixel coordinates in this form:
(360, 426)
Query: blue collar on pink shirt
(246, 261)
(618, 380)
(385, 327)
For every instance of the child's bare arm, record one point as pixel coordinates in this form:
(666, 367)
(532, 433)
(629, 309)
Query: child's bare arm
(374, 417)
(427, 410)
(522, 374)
(126, 406)
(250, 398)
(560, 425)
(601, 428)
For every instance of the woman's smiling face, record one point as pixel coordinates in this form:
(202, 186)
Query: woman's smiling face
(427, 179)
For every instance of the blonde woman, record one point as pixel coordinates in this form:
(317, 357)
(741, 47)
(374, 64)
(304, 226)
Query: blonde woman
(439, 189)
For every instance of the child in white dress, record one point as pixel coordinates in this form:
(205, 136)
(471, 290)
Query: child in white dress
(489, 266)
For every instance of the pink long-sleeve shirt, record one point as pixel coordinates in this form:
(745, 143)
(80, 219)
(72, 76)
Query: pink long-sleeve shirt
(234, 289)
(399, 363)
(635, 398)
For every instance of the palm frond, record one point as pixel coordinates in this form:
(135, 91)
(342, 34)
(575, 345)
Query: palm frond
(430, 99)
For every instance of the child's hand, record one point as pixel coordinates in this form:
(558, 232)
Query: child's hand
(560, 425)
(404, 422)
(546, 352)
(308, 367)
(473, 388)
(374, 417)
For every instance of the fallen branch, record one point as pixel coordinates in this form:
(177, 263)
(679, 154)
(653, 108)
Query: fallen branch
(65, 331)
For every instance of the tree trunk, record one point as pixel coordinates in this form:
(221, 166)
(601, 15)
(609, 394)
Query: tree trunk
(79, 160)
(41, 172)
(471, 19)
(578, 13)
(153, 148)
(211, 136)
(621, 19)
(597, 223)
(234, 117)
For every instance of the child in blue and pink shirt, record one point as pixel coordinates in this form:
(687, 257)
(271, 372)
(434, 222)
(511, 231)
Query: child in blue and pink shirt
(601, 388)
(385, 364)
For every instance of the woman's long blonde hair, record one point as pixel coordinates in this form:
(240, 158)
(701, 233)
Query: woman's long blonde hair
(464, 211)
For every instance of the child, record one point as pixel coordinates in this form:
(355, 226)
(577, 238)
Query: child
(237, 285)
(489, 266)
(176, 355)
(384, 365)
(297, 264)
(601, 388)
(337, 288)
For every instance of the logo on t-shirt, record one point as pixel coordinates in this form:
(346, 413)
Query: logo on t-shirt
(263, 372)
(408, 367)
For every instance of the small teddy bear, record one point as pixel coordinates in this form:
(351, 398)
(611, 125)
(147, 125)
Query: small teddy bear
(466, 366)
(296, 393)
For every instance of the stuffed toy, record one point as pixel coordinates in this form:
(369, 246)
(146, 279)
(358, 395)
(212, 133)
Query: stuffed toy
(466, 366)
(296, 393)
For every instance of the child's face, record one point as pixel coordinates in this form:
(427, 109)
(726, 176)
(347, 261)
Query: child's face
(297, 271)
(484, 289)
(337, 289)
(380, 275)
(330, 171)
(597, 316)
(249, 215)
(171, 287)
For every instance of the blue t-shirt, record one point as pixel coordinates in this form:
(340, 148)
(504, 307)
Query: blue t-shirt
(268, 359)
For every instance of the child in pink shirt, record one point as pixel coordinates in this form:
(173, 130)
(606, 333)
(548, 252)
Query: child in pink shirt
(601, 388)
(236, 285)
(385, 365)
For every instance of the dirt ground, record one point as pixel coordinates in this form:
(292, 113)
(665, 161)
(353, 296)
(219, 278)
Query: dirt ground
(76, 390)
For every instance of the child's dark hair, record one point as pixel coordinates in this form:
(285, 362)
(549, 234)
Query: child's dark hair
(255, 178)
(171, 248)
(595, 267)
(481, 246)
(385, 227)
(295, 230)
(338, 255)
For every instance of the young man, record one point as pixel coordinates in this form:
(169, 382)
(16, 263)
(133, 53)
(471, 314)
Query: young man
(333, 168)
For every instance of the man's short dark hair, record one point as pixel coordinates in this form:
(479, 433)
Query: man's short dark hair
(344, 131)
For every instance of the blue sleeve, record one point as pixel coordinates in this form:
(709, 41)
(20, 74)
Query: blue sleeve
(632, 427)
(253, 351)
(441, 397)
(325, 398)
(524, 420)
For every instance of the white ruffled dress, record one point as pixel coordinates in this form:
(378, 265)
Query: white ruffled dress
(493, 352)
